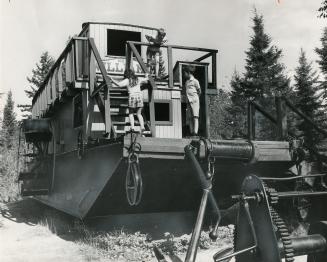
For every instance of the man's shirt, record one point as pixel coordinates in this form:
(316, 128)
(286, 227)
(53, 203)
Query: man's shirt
(193, 88)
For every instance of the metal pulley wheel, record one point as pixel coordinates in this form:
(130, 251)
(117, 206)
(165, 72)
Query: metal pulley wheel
(133, 182)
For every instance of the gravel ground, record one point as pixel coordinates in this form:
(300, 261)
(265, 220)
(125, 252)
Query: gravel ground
(30, 232)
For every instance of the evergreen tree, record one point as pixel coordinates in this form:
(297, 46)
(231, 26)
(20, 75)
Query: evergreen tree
(264, 74)
(38, 75)
(9, 119)
(322, 53)
(219, 126)
(308, 99)
(323, 9)
(237, 112)
(263, 79)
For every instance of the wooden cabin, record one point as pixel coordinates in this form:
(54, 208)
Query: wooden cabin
(83, 104)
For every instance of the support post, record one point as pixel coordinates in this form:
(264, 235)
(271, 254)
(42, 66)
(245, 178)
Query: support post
(108, 124)
(206, 105)
(128, 55)
(92, 73)
(281, 118)
(214, 69)
(170, 67)
(251, 121)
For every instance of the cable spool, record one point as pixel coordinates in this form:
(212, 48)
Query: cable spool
(133, 180)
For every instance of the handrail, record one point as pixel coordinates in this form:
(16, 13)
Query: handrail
(279, 120)
(306, 118)
(294, 109)
(210, 53)
(142, 64)
(101, 66)
(106, 87)
(191, 48)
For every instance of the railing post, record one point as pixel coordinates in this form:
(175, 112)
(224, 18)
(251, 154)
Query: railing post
(214, 69)
(128, 55)
(281, 118)
(107, 114)
(251, 121)
(92, 74)
(170, 67)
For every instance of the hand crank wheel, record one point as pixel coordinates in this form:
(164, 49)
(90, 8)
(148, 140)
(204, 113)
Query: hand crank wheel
(133, 182)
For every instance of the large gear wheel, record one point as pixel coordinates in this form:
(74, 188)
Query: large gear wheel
(282, 231)
(284, 235)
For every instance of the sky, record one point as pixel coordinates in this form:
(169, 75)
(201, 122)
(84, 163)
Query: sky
(30, 27)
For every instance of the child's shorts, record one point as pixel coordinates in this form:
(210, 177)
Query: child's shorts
(193, 107)
(135, 101)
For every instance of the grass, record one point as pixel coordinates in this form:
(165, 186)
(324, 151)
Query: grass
(9, 190)
(124, 246)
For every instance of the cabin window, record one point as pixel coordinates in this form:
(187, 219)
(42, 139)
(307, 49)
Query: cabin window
(78, 111)
(116, 40)
(163, 112)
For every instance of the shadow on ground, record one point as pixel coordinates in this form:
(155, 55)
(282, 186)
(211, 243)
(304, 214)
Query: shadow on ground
(32, 213)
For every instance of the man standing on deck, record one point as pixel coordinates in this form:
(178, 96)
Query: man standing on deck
(193, 91)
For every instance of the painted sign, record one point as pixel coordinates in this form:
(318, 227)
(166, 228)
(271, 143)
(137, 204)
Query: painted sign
(116, 65)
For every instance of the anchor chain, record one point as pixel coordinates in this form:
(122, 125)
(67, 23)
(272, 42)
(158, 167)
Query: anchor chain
(133, 181)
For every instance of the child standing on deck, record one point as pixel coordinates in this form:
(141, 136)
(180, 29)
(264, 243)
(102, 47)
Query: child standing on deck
(135, 98)
(193, 91)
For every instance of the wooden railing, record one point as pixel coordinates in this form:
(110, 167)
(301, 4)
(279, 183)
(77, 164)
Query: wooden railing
(280, 121)
(66, 71)
(281, 117)
(212, 53)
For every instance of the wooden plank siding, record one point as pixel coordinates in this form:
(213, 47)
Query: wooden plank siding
(174, 130)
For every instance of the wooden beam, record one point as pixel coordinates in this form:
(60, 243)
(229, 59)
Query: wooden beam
(201, 58)
(106, 105)
(281, 118)
(54, 85)
(263, 112)
(69, 68)
(191, 48)
(128, 57)
(251, 121)
(100, 64)
(306, 118)
(214, 69)
(170, 67)
(60, 82)
(142, 64)
(206, 104)
(92, 73)
(108, 123)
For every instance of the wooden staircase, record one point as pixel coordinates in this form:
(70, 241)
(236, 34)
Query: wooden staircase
(113, 102)
(119, 111)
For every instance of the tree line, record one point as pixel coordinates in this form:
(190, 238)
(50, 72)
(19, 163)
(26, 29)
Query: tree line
(265, 77)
